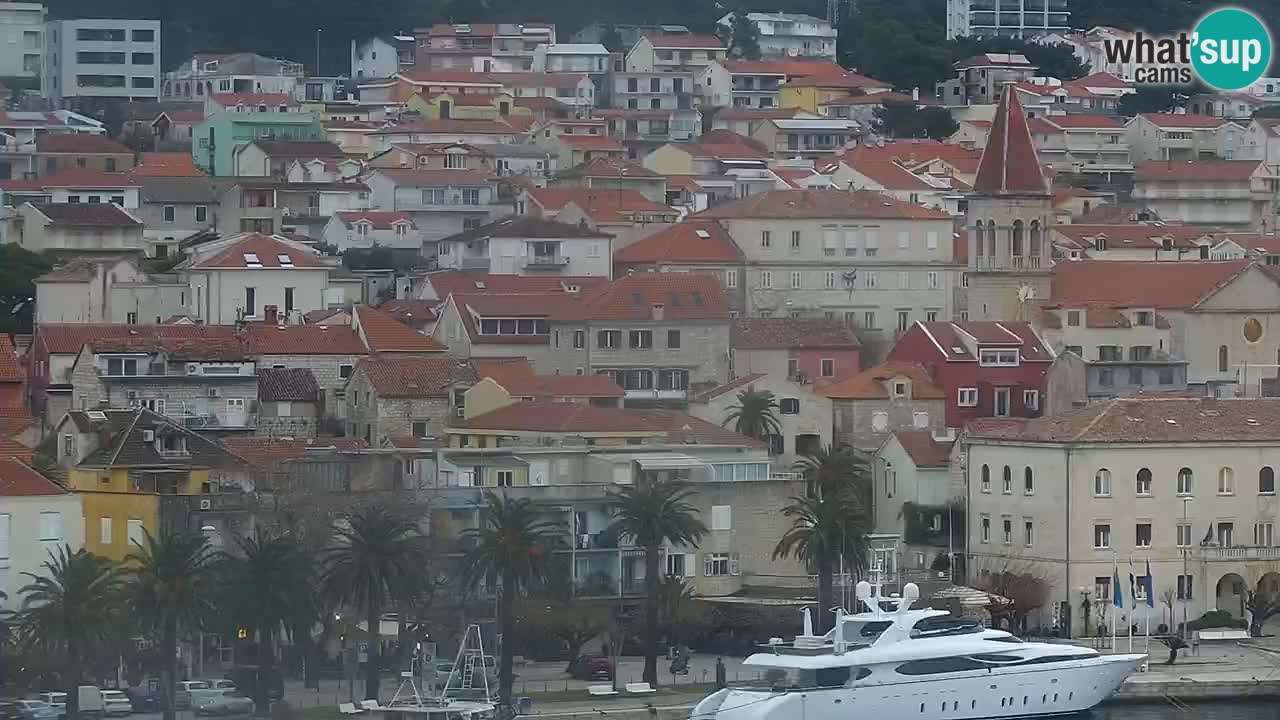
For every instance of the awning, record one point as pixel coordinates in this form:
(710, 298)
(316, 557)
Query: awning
(668, 461)
(970, 597)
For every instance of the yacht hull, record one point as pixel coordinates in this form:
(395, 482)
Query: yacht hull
(1046, 691)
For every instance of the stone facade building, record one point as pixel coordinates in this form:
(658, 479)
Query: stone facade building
(414, 396)
(879, 401)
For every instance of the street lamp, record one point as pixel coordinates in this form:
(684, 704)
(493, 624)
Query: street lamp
(1085, 602)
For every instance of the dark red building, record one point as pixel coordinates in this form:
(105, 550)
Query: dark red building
(987, 369)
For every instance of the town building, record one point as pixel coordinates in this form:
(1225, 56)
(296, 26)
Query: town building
(414, 396)
(979, 79)
(919, 498)
(790, 35)
(526, 245)
(24, 23)
(205, 75)
(803, 415)
(1168, 136)
(107, 288)
(13, 378)
(273, 158)
(381, 56)
(802, 350)
(239, 277)
(63, 151)
(1024, 19)
(39, 517)
(674, 53)
(441, 202)
(481, 47)
(808, 93)
(367, 228)
(79, 227)
(1233, 193)
(89, 62)
(690, 246)
(756, 83)
(1166, 481)
(589, 58)
(891, 397)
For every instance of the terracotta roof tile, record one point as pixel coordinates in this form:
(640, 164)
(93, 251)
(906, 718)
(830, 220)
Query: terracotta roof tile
(88, 215)
(416, 377)
(423, 76)
(449, 282)
(1114, 283)
(683, 296)
(384, 334)
(821, 204)
(266, 452)
(1179, 120)
(849, 80)
(870, 383)
(610, 168)
(708, 148)
(78, 177)
(692, 241)
(10, 448)
(601, 205)
(1205, 170)
(949, 339)
(417, 314)
(536, 79)
(273, 100)
(562, 386)
(925, 451)
(10, 368)
(179, 348)
(591, 142)
(450, 127)
(1009, 162)
(68, 338)
(15, 424)
(17, 479)
(887, 173)
(527, 226)
(1100, 79)
(1147, 420)
(269, 252)
(378, 219)
(583, 418)
(915, 153)
(287, 384)
(1089, 122)
(82, 143)
(166, 164)
(267, 339)
(792, 333)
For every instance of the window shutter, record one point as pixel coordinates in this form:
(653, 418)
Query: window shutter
(4, 537)
(904, 239)
(691, 565)
(829, 239)
(708, 567)
(873, 240)
(51, 526)
(932, 240)
(733, 564)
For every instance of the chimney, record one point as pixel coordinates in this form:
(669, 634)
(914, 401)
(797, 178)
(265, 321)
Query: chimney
(659, 311)
(270, 314)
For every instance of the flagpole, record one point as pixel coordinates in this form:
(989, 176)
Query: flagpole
(1117, 597)
(1133, 592)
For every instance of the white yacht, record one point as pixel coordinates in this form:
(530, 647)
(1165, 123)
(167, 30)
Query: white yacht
(897, 663)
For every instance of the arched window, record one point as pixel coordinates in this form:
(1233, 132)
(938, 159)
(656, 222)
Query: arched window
(1016, 239)
(1184, 481)
(1034, 249)
(1028, 481)
(991, 237)
(1226, 481)
(1143, 485)
(1267, 480)
(986, 478)
(1224, 360)
(1006, 486)
(1102, 483)
(977, 235)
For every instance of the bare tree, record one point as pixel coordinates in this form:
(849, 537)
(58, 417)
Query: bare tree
(1022, 588)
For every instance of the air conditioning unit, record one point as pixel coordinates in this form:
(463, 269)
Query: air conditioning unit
(213, 392)
(206, 504)
(132, 394)
(148, 435)
(193, 369)
(459, 412)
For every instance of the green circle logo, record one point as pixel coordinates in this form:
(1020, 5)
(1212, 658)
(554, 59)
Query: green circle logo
(1231, 48)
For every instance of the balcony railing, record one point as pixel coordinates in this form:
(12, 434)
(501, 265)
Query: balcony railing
(1016, 262)
(475, 263)
(215, 420)
(548, 262)
(1240, 552)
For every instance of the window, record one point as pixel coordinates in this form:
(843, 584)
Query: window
(1142, 535)
(830, 280)
(1135, 376)
(1184, 535)
(104, 530)
(871, 279)
(934, 283)
(1226, 481)
(828, 367)
(143, 58)
(579, 339)
(731, 278)
(1143, 482)
(986, 478)
(795, 239)
(609, 339)
(1028, 528)
(766, 279)
(986, 529)
(131, 318)
(344, 371)
(904, 280)
(904, 320)
(998, 358)
(143, 36)
(1184, 587)
(1267, 481)
(1006, 481)
(51, 526)
(789, 406)
(1102, 536)
(420, 429)
(715, 564)
(122, 366)
(1031, 400)
(1144, 318)
(202, 213)
(455, 161)
(673, 339)
(869, 319)
(169, 213)
(641, 339)
(1106, 377)
(1140, 353)
(1028, 481)
(1264, 534)
(288, 300)
(505, 478)
(1073, 318)
(1165, 375)
(676, 565)
(1007, 527)
(1184, 481)
(135, 533)
(250, 302)
(1226, 534)
(721, 517)
(1102, 588)
(796, 279)
(1102, 483)
(1223, 359)
(1109, 353)
(967, 397)
(766, 239)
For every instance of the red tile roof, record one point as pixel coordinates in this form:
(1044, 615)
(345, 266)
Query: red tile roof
(591, 142)
(544, 416)
(82, 143)
(725, 150)
(1179, 120)
(434, 178)
(1154, 420)
(450, 282)
(1113, 283)
(913, 154)
(14, 422)
(799, 178)
(265, 452)
(166, 164)
(78, 177)
(267, 248)
(888, 174)
(267, 339)
(683, 296)
(17, 479)
(417, 314)
(683, 243)
(948, 339)
(10, 448)
(994, 59)
(870, 383)
(685, 41)
(790, 68)
(1084, 236)
(230, 100)
(848, 80)
(603, 205)
(88, 215)
(821, 204)
(1088, 122)
(451, 127)
(925, 451)
(792, 334)
(1009, 162)
(384, 334)
(416, 377)
(516, 375)
(1100, 79)
(610, 168)
(564, 80)
(68, 338)
(745, 113)
(1206, 170)
(379, 220)
(10, 368)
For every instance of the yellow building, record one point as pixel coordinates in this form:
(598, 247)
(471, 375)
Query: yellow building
(457, 106)
(137, 472)
(809, 93)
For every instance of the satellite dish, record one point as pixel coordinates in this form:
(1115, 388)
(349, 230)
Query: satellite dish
(1026, 292)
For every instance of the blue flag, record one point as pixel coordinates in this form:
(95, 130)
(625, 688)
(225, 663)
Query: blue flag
(1148, 584)
(1117, 593)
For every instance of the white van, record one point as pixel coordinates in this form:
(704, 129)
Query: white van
(90, 697)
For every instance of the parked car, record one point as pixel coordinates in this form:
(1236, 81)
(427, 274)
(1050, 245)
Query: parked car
(90, 697)
(144, 699)
(116, 704)
(28, 710)
(225, 702)
(182, 697)
(592, 667)
(221, 684)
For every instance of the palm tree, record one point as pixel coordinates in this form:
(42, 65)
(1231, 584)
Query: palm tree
(823, 530)
(755, 415)
(834, 468)
(651, 514)
(168, 588)
(513, 550)
(267, 582)
(377, 556)
(71, 610)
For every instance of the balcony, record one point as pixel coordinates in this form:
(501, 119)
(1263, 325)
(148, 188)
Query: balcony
(609, 574)
(17, 148)
(545, 262)
(1016, 262)
(1239, 553)
(199, 420)
(474, 262)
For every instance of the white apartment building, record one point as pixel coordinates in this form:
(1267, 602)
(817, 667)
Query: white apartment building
(36, 517)
(590, 58)
(1008, 18)
(526, 245)
(22, 26)
(206, 74)
(790, 35)
(95, 60)
(1067, 498)
(1170, 136)
(1237, 193)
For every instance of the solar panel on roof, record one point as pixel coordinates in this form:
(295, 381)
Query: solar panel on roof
(702, 234)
